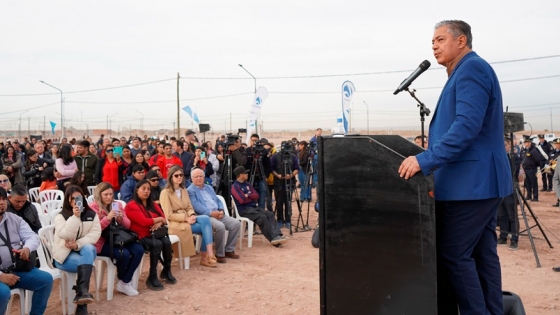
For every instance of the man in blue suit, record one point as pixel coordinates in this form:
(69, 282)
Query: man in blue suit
(471, 172)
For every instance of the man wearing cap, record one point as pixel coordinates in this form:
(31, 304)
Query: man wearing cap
(554, 155)
(189, 137)
(245, 197)
(15, 232)
(531, 160)
(252, 164)
(546, 148)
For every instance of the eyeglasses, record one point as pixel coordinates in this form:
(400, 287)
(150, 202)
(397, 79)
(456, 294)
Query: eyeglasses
(153, 180)
(4, 180)
(109, 151)
(158, 170)
(178, 175)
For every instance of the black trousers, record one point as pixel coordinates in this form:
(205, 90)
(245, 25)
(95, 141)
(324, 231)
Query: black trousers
(547, 181)
(509, 221)
(264, 219)
(156, 247)
(531, 184)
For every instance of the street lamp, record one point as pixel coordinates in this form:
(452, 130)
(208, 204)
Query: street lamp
(19, 128)
(61, 108)
(142, 122)
(252, 76)
(526, 123)
(367, 114)
(108, 125)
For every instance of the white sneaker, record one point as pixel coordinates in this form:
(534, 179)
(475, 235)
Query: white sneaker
(126, 288)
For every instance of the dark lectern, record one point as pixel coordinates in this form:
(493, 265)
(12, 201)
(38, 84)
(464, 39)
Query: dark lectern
(378, 233)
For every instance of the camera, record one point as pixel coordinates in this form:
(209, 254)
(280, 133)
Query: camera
(231, 139)
(286, 147)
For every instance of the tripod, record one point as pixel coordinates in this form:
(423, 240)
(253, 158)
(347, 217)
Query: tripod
(287, 185)
(227, 179)
(520, 199)
(256, 165)
(306, 185)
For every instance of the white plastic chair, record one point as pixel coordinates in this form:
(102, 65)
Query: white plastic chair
(122, 202)
(21, 294)
(68, 278)
(43, 217)
(89, 199)
(45, 259)
(49, 205)
(54, 213)
(243, 220)
(34, 194)
(100, 261)
(91, 190)
(47, 195)
(198, 237)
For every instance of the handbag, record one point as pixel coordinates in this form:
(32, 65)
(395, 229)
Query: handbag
(118, 235)
(18, 264)
(160, 232)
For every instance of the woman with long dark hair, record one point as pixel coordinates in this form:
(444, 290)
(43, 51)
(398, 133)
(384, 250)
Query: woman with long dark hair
(76, 230)
(131, 255)
(146, 218)
(12, 163)
(65, 166)
(303, 157)
(138, 160)
(54, 151)
(32, 171)
(79, 179)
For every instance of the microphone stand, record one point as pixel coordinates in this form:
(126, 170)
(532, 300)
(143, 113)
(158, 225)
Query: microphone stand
(424, 111)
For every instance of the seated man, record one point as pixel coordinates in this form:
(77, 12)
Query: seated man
(127, 188)
(22, 207)
(204, 201)
(14, 232)
(245, 197)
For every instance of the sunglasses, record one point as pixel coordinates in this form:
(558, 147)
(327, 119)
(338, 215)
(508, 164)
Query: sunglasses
(4, 180)
(178, 175)
(109, 151)
(153, 180)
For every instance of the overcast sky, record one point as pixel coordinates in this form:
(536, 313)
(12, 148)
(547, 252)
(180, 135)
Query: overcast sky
(93, 45)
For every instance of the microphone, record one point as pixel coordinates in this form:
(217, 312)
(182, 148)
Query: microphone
(404, 84)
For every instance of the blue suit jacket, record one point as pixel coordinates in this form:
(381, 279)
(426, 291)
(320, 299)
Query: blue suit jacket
(466, 147)
(197, 201)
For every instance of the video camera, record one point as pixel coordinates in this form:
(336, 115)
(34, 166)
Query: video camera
(312, 148)
(231, 139)
(286, 147)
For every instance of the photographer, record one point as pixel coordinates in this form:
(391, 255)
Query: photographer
(285, 168)
(257, 153)
(33, 170)
(233, 145)
(16, 232)
(303, 157)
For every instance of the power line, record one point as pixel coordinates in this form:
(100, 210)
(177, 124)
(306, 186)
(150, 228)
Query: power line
(21, 110)
(167, 101)
(92, 90)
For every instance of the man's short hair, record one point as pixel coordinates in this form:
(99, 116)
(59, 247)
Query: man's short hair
(18, 190)
(167, 145)
(138, 168)
(255, 136)
(457, 28)
(420, 138)
(84, 143)
(319, 129)
(179, 143)
(138, 138)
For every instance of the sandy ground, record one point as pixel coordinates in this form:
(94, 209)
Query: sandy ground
(269, 280)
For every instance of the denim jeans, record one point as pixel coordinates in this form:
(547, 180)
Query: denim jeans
(305, 188)
(204, 227)
(85, 256)
(127, 261)
(38, 281)
(262, 188)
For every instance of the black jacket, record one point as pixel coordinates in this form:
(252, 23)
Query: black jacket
(28, 213)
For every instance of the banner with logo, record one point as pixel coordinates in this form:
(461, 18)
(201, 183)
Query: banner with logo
(260, 97)
(348, 90)
(191, 113)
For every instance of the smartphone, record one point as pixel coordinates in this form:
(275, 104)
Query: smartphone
(117, 151)
(202, 155)
(115, 206)
(79, 200)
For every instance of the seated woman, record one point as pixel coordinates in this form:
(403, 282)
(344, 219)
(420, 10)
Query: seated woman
(146, 217)
(5, 183)
(79, 179)
(182, 219)
(76, 230)
(131, 255)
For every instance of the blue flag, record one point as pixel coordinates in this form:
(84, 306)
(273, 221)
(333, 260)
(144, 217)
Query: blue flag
(191, 113)
(53, 124)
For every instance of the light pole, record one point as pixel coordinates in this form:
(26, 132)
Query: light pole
(142, 122)
(19, 128)
(250, 75)
(61, 108)
(367, 114)
(526, 123)
(109, 125)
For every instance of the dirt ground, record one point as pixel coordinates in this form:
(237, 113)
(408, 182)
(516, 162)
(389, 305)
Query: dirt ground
(269, 280)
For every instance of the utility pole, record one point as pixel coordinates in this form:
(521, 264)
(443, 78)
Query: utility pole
(28, 129)
(230, 130)
(367, 114)
(44, 127)
(178, 121)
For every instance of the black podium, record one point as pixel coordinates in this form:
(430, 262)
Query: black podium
(377, 230)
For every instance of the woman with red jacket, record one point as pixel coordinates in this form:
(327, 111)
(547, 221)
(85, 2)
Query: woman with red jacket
(108, 169)
(145, 218)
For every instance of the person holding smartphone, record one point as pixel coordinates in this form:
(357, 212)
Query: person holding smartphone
(201, 161)
(111, 212)
(76, 231)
